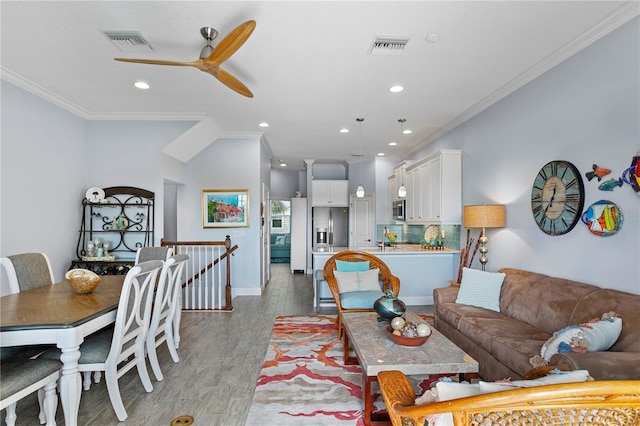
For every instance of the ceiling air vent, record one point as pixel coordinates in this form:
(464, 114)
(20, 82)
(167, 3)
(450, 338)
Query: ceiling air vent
(388, 45)
(129, 41)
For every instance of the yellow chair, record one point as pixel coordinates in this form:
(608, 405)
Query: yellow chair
(387, 280)
(593, 403)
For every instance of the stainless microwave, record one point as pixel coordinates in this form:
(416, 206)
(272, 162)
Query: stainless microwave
(398, 209)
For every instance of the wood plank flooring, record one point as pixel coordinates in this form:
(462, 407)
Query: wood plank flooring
(221, 355)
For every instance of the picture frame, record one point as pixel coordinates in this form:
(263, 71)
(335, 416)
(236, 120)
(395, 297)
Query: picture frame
(225, 208)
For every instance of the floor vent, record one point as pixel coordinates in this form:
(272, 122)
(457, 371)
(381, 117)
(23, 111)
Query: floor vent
(129, 41)
(388, 45)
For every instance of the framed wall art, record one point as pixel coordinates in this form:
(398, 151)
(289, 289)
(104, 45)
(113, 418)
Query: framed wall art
(225, 208)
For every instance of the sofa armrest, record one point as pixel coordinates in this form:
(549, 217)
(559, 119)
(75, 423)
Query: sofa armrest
(445, 295)
(601, 365)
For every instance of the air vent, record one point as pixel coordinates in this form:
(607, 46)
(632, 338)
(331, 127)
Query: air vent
(388, 45)
(129, 41)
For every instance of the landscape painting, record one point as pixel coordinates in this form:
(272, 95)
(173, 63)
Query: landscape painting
(225, 208)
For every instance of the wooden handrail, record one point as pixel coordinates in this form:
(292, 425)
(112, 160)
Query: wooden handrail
(229, 251)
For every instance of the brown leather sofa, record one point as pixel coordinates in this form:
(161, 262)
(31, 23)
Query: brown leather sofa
(532, 307)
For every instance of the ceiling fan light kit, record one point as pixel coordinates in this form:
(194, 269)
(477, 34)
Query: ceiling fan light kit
(212, 57)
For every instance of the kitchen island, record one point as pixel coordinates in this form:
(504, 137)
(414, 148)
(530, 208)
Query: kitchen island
(419, 271)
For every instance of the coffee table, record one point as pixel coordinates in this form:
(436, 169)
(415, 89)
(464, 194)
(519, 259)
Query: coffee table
(376, 352)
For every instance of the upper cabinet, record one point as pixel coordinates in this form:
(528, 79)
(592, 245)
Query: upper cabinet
(434, 188)
(330, 193)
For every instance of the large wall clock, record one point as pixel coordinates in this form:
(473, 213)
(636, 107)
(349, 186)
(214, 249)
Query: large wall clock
(557, 197)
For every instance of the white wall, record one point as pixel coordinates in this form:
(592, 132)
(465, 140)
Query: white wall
(43, 178)
(586, 110)
(226, 164)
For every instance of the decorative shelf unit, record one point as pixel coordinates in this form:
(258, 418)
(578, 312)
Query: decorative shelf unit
(124, 219)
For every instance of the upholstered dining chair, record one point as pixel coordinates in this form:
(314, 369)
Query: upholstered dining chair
(144, 254)
(117, 350)
(27, 270)
(21, 376)
(164, 309)
(351, 261)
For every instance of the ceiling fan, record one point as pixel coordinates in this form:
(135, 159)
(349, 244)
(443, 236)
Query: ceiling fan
(212, 57)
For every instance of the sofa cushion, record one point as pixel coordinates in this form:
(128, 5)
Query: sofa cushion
(452, 313)
(593, 336)
(483, 330)
(344, 266)
(542, 301)
(360, 299)
(515, 352)
(358, 280)
(625, 304)
(480, 288)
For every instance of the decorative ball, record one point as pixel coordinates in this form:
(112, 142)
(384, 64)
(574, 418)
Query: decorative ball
(397, 323)
(423, 330)
(389, 306)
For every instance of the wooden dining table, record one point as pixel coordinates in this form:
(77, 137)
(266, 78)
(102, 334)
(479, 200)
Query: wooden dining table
(54, 314)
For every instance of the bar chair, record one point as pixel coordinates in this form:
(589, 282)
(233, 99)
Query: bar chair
(353, 302)
(164, 310)
(117, 350)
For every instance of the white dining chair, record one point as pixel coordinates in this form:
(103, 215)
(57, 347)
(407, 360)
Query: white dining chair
(21, 376)
(27, 270)
(144, 254)
(117, 350)
(164, 310)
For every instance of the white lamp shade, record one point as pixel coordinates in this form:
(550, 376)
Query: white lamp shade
(402, 191)
(360, 191)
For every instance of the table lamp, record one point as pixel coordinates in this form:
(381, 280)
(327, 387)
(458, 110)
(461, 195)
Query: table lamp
(484, 216)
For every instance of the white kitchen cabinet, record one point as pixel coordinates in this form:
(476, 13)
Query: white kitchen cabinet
(299, 245)
(330, 193)
(393, 194)
(436, 188)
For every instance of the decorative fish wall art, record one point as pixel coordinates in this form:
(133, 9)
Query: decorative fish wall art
(610, 184)
(598, 172)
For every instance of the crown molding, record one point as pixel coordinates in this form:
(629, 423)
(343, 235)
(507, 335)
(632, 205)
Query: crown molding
(41, 92)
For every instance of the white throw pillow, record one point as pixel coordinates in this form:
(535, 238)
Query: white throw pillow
(357, 280)
(593, 336)
(553, 378)
(480, 288)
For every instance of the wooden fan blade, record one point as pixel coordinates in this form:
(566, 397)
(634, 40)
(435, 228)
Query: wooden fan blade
(157, 62)
(231, 43)
(232, 83)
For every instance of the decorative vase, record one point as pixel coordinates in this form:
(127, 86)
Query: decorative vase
(389, 306)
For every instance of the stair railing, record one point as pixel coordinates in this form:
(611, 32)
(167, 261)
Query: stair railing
(208, 274)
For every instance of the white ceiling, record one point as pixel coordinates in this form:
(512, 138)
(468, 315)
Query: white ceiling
(307, 64)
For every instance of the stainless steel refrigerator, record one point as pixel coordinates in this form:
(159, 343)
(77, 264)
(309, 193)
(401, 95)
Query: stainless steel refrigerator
(330, 226)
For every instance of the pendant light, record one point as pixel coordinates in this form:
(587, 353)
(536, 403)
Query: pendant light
(360, 188)
(402, 191)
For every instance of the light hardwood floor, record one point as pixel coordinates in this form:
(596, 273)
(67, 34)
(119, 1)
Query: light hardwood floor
(221, 355)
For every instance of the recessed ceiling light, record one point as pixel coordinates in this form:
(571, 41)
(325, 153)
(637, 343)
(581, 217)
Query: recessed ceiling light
(396, 89)
(393, 143)
(264, 124)
(282, 163)
(407, 131)
(380, 154)
(143, 85)
(433, 38)
(344, 130)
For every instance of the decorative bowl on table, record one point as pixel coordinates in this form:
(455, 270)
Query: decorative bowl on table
(82, 281)
(409, 337)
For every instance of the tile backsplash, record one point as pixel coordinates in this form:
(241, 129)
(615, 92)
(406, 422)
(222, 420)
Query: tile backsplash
(410, 233)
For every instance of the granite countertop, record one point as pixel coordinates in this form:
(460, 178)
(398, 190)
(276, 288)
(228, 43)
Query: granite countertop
(397, 249)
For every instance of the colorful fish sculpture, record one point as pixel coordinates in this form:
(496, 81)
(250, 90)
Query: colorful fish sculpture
(610, 184)
(597, 172)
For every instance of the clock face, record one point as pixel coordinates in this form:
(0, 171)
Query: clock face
(557, 197)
